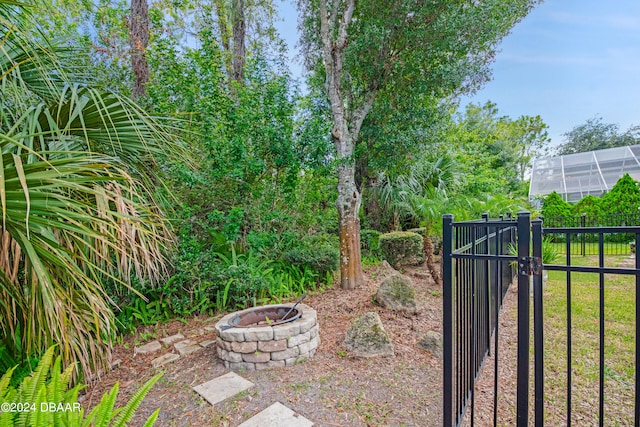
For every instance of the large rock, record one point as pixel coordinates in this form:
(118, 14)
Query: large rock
(385, 270)
(397, 293)
(432, 342)
(367, 338)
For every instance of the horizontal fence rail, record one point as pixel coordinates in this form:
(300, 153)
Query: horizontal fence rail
(586, 242)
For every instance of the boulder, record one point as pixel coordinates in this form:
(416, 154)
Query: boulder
(385, 270)
(397, 293)
(367, 338)
(432, 342)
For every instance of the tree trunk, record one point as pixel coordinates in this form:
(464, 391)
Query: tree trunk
(225, 37)
(348, 204)
(239, 50)
(429, 258)
(139, 40)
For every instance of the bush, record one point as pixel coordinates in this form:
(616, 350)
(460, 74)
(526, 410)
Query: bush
(555, 206)
(436, 240)
(402, 248)
(49, 385)
(370, 243)
(318, 253)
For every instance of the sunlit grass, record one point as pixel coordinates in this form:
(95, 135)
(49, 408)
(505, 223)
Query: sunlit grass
(619, 351)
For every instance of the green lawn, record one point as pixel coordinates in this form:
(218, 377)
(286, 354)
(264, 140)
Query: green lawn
(619, 310)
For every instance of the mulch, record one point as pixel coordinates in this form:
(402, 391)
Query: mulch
(331, 389)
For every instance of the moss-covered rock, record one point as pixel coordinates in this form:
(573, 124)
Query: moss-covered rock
(401, 248)
(367, 338)
(432, 342)
(397, 293)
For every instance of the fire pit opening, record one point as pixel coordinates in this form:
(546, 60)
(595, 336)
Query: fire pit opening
(264, 316)
(272, 336)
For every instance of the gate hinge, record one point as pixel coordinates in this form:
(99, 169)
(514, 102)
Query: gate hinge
(530, 266)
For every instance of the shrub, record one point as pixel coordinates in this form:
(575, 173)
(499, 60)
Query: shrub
(318, 253)
(49, 385)
(436, 239)
(624, 197)
(555, 206)
(369, 243)
(402, 248)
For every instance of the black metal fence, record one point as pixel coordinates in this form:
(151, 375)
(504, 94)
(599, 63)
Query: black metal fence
(587, 243)
(477, 271)
(479, 261)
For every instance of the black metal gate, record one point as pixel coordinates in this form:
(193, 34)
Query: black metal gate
(480, 259)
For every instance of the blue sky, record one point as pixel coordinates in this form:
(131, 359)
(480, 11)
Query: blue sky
(567, 61)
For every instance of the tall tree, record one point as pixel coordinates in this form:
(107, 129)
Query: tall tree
(594, 134)
(139, 40)
(437, 47)
(239, 32)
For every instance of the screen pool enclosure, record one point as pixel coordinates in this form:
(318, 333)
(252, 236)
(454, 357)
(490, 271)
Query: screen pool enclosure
(577, 175)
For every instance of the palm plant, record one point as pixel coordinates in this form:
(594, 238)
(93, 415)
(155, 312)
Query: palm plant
(76, 208)
(424, 195)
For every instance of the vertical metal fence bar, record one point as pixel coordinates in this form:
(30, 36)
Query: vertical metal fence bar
(447, 318)
(473, 345)
(601, 390)
(497, 295)
(487, 282)
(569, 347)
(538, 328)
(637, 394)
(522, 399)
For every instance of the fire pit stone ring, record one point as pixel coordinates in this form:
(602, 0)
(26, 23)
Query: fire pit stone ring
(267, 344)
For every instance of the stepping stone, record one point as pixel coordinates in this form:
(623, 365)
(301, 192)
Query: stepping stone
(207, 343)
(277, 415)
(223, 387)
(148, 347)
(173, 338)
(186, 347)
(163, 360)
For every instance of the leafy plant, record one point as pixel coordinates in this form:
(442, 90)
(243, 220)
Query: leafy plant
(72, 217)
(48, 388)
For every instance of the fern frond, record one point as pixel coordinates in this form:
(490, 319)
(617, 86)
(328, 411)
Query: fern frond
(134, 402)
(102, 413)
(41, 418)
(152, 418)
(4, 383)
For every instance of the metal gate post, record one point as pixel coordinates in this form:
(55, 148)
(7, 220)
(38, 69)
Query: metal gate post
(538, 328)
(524, 238)
(447, 317)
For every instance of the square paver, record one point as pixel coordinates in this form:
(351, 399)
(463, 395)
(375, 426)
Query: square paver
(223, 387)
(277, 415)
(173, 338)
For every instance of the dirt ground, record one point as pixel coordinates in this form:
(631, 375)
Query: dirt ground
(331, 389)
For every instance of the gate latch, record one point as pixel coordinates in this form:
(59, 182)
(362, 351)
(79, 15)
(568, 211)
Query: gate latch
(530, 266)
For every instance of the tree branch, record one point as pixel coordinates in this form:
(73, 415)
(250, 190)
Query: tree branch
(341, 41)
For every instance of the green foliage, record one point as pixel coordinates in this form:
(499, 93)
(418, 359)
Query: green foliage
(589, 205)
(623, 198)
(369, 243)
(76, 167)
(555, 206)
(494, 152)
(318, 253)
(401, 248)
(49, 385)
(596, 135)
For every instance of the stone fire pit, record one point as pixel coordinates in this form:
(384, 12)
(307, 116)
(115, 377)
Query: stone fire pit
(255, 343)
